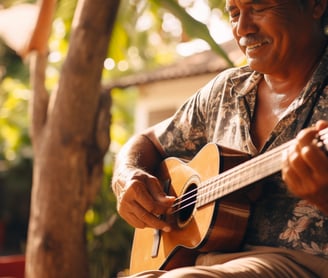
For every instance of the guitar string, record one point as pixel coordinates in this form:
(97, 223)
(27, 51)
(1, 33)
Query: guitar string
(322, 133)
(224, 179)
(209, 194)
(226, 176)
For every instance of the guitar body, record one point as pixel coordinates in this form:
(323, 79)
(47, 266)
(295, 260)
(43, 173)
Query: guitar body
(216, 226)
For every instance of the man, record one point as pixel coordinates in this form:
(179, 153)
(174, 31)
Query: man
(254, 109)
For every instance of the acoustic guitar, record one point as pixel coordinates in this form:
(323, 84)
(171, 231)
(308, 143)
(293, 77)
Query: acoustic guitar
(211, 210)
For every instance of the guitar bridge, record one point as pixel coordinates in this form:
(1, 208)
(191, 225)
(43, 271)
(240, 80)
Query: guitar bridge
(158, 233)
(156, 242)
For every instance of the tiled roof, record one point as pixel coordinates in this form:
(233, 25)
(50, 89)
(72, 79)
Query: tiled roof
(197, 64)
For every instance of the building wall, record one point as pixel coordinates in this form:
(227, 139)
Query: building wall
(159, 100)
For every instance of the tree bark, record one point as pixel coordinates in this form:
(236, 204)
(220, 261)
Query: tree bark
(70, 136)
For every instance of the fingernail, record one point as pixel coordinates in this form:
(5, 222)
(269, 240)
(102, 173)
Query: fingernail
(167, 229)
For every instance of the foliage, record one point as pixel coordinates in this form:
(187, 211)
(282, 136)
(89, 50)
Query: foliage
(8, 3)
(15, 150)
(189, 23)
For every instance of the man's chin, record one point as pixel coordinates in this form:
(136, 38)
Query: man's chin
(256, 64)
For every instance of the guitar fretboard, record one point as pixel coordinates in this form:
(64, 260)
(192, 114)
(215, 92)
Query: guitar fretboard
(248, 172)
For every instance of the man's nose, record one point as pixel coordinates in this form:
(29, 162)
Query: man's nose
(246, 24)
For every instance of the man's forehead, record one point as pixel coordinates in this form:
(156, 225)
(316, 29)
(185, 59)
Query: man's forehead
(232, 3)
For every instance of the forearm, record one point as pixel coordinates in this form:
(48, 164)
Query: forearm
(138, 153)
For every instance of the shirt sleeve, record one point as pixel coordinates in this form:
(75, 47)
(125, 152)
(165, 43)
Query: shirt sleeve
(185, 133)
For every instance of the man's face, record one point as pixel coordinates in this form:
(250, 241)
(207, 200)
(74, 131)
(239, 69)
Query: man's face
(273, 34)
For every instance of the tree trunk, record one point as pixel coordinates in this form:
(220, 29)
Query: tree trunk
(70, 135)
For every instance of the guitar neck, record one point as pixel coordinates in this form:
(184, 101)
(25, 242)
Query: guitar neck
(249, 172)
(241, 176)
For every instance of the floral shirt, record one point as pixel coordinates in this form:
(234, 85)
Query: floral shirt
(221, 112)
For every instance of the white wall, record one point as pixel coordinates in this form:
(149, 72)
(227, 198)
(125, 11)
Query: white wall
(160, 99)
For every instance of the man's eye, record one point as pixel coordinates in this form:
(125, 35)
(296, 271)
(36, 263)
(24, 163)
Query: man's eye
(234, 15)
(259, 9)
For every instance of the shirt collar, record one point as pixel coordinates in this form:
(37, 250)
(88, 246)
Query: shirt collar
(245, 81)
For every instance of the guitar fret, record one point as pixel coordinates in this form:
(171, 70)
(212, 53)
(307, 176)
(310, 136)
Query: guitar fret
(241, 176)
(248, 172)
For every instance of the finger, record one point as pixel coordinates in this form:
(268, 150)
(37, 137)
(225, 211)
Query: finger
(321, 125)
(311, 152)
(151, 220)
(141, 218)
(146, 194)
(297, 164)
(315, 158)
(156, 190)
(307, 150)
(305, 137)
(293, 168)
(146, 197)
(300, 178)
(292, 180)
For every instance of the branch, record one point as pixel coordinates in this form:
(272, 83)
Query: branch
(39, 100)
(38, 62)
(41, 33)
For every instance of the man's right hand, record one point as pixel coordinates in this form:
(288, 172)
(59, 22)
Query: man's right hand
(141, 200)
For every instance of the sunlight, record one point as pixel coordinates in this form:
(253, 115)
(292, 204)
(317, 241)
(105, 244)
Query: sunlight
(17, 33)
(219, 28)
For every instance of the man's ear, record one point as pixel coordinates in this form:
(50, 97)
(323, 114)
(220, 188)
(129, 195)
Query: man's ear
(319, 7)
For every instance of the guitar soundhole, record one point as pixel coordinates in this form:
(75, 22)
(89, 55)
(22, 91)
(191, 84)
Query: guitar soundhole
(187, 205)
